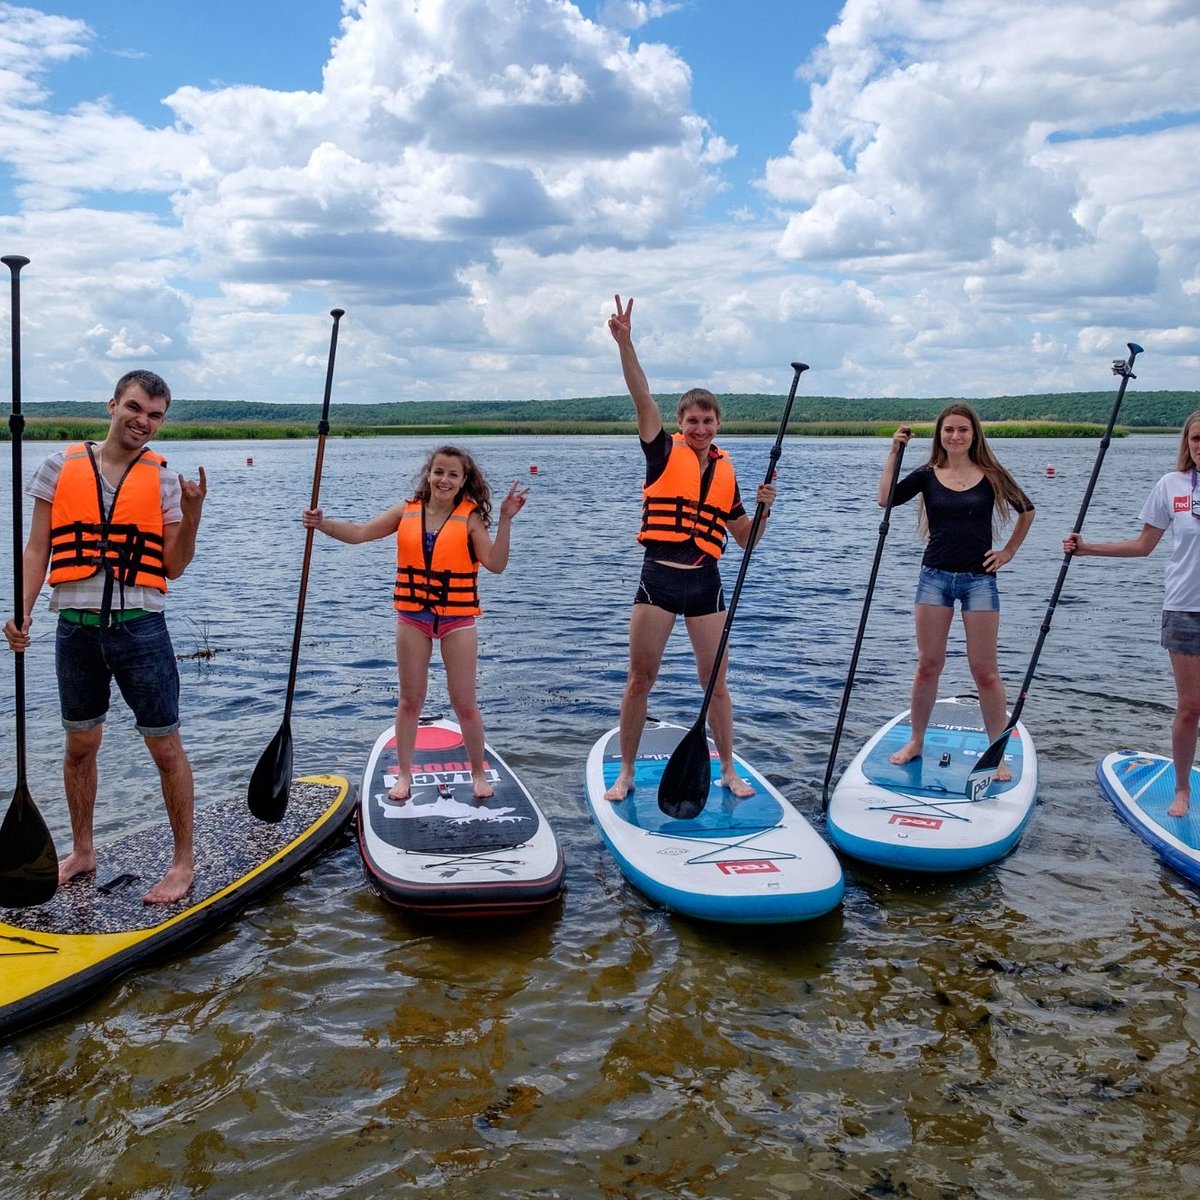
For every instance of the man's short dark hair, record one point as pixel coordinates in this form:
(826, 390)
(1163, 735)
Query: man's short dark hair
(153, 385)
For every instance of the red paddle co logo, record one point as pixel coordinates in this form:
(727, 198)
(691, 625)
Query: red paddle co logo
(1183, 504)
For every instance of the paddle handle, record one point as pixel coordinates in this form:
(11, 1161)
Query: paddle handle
(884, 526)
(322, 430)
(798, 369)
(1123, 368)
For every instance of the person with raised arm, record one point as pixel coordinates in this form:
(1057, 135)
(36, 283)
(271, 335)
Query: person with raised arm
(690, 504)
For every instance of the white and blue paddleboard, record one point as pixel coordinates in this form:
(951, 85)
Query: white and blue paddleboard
(917, 816)
(751, 861)
(1141, 787)
(442, 852)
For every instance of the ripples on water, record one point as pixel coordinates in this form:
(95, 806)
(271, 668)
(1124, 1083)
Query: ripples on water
(1028, 1030)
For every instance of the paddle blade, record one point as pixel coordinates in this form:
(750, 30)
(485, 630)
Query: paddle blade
(28, 862)
(267, 795)
(980, 778)
(683, 789)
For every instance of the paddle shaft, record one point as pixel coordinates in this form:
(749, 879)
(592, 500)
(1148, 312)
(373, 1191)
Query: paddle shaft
(884, 525)
(755, 525)
(1125, 370)
(322, 430)
(16, 425)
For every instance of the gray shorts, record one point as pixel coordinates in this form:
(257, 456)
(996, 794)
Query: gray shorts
(1181, 632)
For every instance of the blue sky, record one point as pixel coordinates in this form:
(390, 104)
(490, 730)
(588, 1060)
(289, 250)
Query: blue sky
(931, 197)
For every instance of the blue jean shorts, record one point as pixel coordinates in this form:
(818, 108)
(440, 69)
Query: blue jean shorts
(1181, 632)
(976, 591)
(137, 654)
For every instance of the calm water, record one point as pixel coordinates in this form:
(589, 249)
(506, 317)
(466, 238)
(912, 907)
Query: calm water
(1029, 1030)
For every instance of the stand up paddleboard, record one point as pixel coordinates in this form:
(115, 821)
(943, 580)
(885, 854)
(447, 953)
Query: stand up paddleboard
(917, 817)
(1141, 787)
(752, 861)
(442, 852)
(58, 955)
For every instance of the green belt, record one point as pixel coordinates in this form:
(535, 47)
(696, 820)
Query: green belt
(84, 616)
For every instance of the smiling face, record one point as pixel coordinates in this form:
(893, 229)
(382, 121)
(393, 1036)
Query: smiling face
(447, 474)
(956, 434)
(136, 416)
(699, 427)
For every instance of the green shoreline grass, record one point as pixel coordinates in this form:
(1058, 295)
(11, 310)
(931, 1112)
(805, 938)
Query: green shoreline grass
(51, 429)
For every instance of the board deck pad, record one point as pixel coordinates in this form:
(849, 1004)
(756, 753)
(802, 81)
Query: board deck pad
(442, 815)
(954, 740)
(1141, 786)
(96, 928)
(724, 813)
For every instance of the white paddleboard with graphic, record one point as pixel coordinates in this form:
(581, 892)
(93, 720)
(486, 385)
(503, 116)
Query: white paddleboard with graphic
(917, 816)
(442, 851)
(751, 861)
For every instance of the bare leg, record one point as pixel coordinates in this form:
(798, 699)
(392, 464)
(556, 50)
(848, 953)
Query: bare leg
(79, 781)
(983, 632)
(460, 653)
(179, 793)
(1186, 669)
(705, 633)
(413, 652)
(649, 629)
(933, 629)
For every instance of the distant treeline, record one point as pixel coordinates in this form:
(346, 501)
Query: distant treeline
(1056, 414)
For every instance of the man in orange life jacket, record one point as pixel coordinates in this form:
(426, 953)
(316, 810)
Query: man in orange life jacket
(108, 573)
(689, 501)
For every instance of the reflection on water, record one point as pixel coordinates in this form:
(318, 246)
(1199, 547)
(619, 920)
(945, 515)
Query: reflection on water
(1028, 1030)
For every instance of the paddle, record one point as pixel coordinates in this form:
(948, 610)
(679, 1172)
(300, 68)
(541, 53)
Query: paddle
(683, 789)
(985, 769)
(272, 778)
(884, 525)
(28, 862)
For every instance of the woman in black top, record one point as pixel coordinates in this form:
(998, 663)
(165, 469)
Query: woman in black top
(965, 494)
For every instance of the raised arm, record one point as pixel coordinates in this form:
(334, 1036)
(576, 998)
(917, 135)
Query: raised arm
(649, 419)
(179, 539)
(494, 555)
(350, 532)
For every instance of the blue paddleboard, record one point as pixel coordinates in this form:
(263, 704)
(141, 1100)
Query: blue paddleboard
(917, 816)
(1141, 787)
(751, 861)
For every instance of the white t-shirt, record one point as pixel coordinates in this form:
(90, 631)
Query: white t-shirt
(89, 593)
(1170, 506)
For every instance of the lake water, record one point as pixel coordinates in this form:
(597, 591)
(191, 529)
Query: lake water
(1027, 1030)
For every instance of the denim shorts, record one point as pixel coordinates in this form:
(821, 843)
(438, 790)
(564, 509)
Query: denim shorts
(976, 591)
(684, 591)
(138, 654)
(1181, 632)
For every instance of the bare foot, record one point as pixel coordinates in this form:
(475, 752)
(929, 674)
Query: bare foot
(907, 753)
(1002, 775)
(738, 786)
(401, 790)
(173, 886)
(77, 863)
(1179, 806)
(622, 786)
(481, 789)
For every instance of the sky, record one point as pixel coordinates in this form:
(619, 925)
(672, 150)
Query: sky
(915, 197)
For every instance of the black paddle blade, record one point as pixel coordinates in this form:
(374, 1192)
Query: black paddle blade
(980, 778)
(267, 795)
(28, 862)
(683, 789)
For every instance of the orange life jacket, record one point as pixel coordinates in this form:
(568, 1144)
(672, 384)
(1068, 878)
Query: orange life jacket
(444, 581)
(673, 508)
(128, 544)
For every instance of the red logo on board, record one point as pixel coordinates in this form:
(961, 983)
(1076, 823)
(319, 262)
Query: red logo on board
(749, 866)
(1183, 504)
(915, 822)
